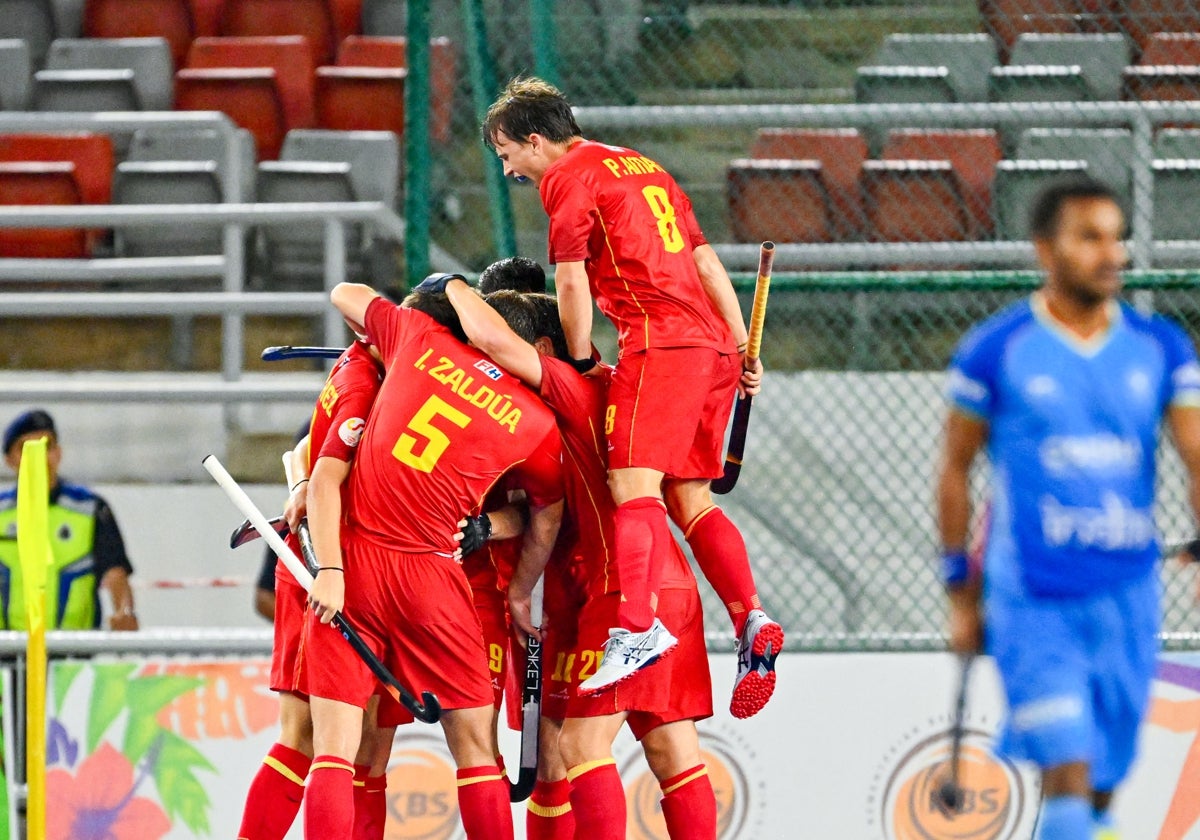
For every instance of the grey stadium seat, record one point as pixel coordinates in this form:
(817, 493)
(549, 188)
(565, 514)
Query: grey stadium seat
(16, 72)
(963, 59)
(167, 182)
(148, 58)
(1176, 198)
(1017, 182)
(85, 90)
(1108, 152)
(196, 145)
(1177, 143)
(33, 22)
(1062, 66)
(374, 158)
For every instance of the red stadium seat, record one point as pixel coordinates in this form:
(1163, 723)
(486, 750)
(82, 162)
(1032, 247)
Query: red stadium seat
(1140, 19)
(249, 96)
(361, 99)
(347, 18)
(841, 152)
(289, 56)
(40, 183)
(169, 19)
(1166, 48)
(383, 51)
(1007, 20)
(206, 17)
(780, 200)
(308, 18)
(1161, 83)
(914, 201)
(973, 155)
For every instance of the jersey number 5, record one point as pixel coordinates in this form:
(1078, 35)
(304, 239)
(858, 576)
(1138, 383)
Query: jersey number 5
(664, 212)
(434, 439)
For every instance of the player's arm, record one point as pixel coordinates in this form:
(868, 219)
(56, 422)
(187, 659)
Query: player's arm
(297, 503)
(116, 582)
(544, 522)
(113, 568)
(352, 300)
(488, 331)
(575, 307)
(328, 594)
(720, 291)
(963, 437)
(1184, 423)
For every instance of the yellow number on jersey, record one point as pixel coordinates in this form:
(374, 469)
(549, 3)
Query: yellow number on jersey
(436, 440)
(664, 212)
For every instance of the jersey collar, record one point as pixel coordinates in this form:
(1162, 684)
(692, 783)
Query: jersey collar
(1083, 346)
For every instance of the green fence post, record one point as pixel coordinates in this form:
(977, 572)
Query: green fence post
(417, 155)
(545, 40)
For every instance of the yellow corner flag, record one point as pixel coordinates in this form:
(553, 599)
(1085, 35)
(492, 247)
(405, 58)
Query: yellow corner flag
(33, 550)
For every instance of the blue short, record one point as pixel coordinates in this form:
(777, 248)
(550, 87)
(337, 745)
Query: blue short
(1076, 674)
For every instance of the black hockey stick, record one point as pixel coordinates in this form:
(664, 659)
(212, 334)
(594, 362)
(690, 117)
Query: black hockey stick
(531, 706)
(246, 532)
(950, 794)
(427, 709)
(741, 412)
(287, 351)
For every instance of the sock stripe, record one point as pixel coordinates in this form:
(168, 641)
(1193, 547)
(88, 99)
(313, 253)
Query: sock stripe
(357, 783)
(283, 770)
(548, 811)
(578, 770)
(691, 777)
(474, 780)
(331, 765)
(687, 529)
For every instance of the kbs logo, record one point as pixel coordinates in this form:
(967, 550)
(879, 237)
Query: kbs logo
(422, 791)
(998, 802)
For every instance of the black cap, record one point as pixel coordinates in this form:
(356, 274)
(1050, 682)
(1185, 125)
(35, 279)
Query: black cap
(34, 420)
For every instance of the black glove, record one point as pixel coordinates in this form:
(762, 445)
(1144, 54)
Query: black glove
(436, 283)
(1192, 550)
(475, 533)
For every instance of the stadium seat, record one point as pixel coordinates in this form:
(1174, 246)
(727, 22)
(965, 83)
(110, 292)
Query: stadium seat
(290, 56)
(206, 17)
(16, 73)
(40, 183)
(914, 201)
(347, 18)
(167, 182)
(1007, 20)
(1046, 67)
(374, 158)
(294, 253)
(85, 90)
(780, 200)
(248, 95)
(368, 51)
(841, 152)
(928, 68)
(1177, 143)
(361, 98)
(973, 155)
(310, 19)
(1141, 19)
(1159, 83)
(148, 58)
(33, 22)
(1172, 48)
(383, 17)
(1108, 152)
(197, 146)
(167, 19)
(1017, 183)
(1176, 198)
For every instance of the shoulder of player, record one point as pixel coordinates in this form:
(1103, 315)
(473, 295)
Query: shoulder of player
(993, 333)
(1155, 324)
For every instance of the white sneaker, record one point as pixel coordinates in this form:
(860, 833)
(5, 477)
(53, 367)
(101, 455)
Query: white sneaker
(758, 647)
(626, 652)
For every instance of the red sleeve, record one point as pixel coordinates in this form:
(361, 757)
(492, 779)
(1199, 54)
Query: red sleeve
(388, 326)
(570, 205)
(560, 389)
(540, 475)
(348, 421)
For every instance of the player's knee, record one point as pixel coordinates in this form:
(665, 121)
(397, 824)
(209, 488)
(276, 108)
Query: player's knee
(686, 499)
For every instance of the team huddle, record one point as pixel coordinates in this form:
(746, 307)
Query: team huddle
(475, 476)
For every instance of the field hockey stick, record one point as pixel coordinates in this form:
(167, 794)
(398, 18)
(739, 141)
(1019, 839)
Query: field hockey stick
(287, 351)
(531, 705)
(741, 413)
(950, 794)
(246, 532)
(427, 709)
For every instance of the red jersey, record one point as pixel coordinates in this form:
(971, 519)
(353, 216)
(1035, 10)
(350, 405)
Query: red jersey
(493, 563)
(340, 414)
(626, 219)
(446, 425)
(579, 402)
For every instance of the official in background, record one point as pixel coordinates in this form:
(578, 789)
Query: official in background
(1067, 390)
(87, 551)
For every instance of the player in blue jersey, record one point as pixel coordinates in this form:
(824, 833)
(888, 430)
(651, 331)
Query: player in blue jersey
(1066, 390)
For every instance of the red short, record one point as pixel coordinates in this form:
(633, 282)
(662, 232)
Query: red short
(668, 409)
(291, 633)
(565, 595)
(415, 613)
(678, 687)
(492, 607)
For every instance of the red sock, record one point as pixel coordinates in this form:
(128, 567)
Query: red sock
(640, 528)
(690, 806)
(548, 815)
(370, 804)
(329, 805)
(598, 800)
(275, 794)
(483, 803)
(721, 554)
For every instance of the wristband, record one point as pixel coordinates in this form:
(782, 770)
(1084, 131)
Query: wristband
(330, 569)
(297, 484)
(584, 365)
(956, 569)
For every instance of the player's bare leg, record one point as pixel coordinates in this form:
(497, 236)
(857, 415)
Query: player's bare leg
(597, 795)
(277, 789)
(689, 804)
(482, 788)
(1066, 803)
(549, 815)
(720, 551)
(329, 800)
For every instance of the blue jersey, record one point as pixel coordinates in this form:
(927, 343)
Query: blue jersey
(1072, 433)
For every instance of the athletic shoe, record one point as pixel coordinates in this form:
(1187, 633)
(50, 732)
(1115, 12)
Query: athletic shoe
(626, 653)
(758, 648)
